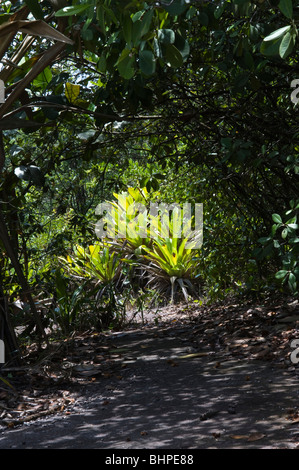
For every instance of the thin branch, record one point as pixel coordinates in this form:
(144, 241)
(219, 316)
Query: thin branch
(75, 109)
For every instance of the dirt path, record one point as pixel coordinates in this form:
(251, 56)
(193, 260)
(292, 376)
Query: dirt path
(163, 392)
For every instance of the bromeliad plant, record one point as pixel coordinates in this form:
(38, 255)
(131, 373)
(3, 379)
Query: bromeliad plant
(139, 241)
(99, 264)
(172, 265)
(124, 218)
(172, 261)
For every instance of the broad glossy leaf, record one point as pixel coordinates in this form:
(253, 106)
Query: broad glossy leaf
(203, 18)
(102, 63)
(110, 13)
(286, 45)
(286, 7)
(270, 48)
(278, 33)
(292, 281)
(141, 26)
(157, 48)
(43, 79)
(175, 7)
(147, 62)
(146, 21)
(137, 16)
(127, 28)
(284, 233)
(125, 66)
(276, 218)
(264, 240)
(30, 173)
(73, 10)
(219, 10)
(72, 91)
(173, 56)
(182, 45)
(166, 36)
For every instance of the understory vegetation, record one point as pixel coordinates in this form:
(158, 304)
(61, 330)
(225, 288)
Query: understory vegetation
(127, 104)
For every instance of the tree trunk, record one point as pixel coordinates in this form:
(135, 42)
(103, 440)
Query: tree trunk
(7, 334)
(4, 237)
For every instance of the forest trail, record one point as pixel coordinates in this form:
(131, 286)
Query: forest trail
(167, 387)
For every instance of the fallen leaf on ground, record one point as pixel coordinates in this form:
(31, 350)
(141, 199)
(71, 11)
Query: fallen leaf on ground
(256, 437)
(198, 354)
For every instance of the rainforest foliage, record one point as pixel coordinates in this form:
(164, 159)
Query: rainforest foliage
(170, 101)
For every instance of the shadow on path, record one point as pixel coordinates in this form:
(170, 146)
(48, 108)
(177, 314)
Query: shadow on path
(162, 397)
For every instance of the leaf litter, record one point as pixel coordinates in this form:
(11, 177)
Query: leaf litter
(50, 381)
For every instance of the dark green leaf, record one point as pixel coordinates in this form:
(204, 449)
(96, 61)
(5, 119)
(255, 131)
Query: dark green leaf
(226, 142)
(101, 65)
(35, 9)
(182, 45)
(147, 62)
(292, 282)
(203, 18)
(175, 7)
(146, 22)
(173, 56)
(284, 233)
(281, 274)
(127, 29)
(286, 7)
(264, 240)
(276, 218)
(241, 80)
(219, 10)
(157, 48)
(72, 10)
(126, 67)
(286, 45)
(141, 26)
(270, 48)
(268, 250)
